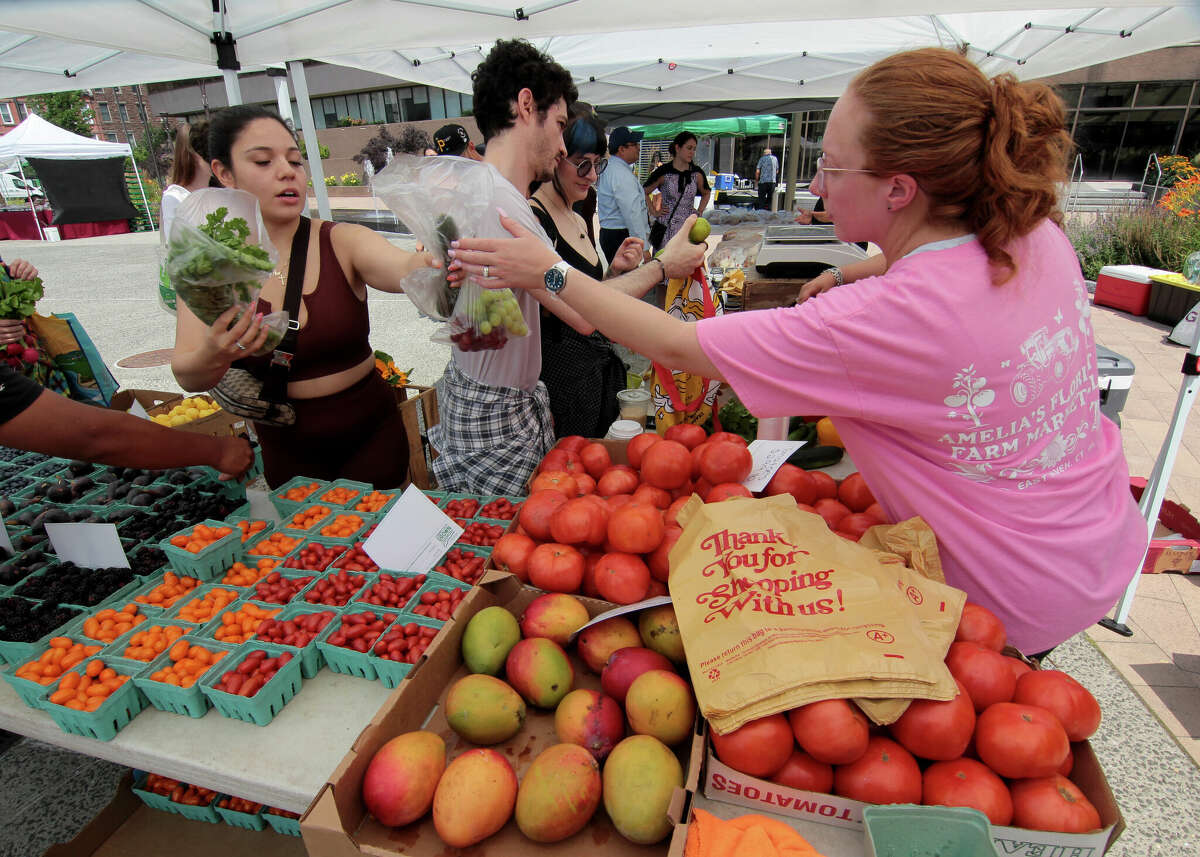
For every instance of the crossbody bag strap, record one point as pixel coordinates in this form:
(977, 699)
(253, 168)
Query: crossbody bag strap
(275, 385)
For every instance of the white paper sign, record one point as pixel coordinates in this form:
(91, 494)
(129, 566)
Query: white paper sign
(138, 411)
(413, 535)
(88, 545)
(635, 607)
(6, 546)
(768, 456)
(261, 507)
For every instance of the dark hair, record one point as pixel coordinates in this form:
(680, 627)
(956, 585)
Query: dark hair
(584, 135)
(227, 123)
(989, 153)
(681, 139)
(509, 67)
(189, 140)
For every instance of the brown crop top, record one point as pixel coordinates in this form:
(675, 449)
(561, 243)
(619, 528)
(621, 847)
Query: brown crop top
(336, 336)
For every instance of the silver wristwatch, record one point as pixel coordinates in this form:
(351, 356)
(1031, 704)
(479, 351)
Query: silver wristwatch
(556, 277)
(838, 279)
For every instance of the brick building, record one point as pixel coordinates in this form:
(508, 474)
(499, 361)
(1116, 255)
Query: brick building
(12, 112)
(122, 114)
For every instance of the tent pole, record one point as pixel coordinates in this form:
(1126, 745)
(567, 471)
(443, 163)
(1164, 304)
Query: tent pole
(142, 190)
(793, 157)
(309, 126)
(32, 209)
(782, 161)
(233, 89)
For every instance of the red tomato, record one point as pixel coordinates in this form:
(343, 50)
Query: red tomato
(702, 487)
(616, 501)
(689, 434)
(557, 480)
(596, 459)
(635, 528)
(658, 559)
(556, 568)
(697, 453)
(802, 771)
(937, 730)
(726, 437)
(855, 494)
(983, 672)
(825, 484)
(1018, 741)
(638, 446)
(856, 524)
(1064, 697)
(511, 554)
(980, 625)
(965, 782)
(616, 481)
(590, 560)
(725, 490)
(876, 512)
(1052, 803)
(834, 731)
(684, 490)
(671, 516)
(790, 479)
(726, 462)
(561, 459)
(831, 510)
(622, 578)
(537, 510)
(1018, 666)
(760, 748)
(1066, 767)
(586, 484)
(885, 773)
(656, 497)
(579, 521)
(572, 443)
(666, 464)
(657, 587)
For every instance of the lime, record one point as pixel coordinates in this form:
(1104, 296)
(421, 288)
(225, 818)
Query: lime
(700, 231)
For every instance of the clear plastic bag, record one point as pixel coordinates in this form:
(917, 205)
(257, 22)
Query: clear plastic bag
(211, 275)
(440, 200)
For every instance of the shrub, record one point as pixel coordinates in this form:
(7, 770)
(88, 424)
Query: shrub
(351, 179)
(331, 181)
(1153, 237)
(322, 150)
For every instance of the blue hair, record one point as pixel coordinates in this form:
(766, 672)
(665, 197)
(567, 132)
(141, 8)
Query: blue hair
(584, 135)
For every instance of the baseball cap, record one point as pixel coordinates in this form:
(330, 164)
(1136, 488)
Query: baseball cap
(451, 140)
(622, 136)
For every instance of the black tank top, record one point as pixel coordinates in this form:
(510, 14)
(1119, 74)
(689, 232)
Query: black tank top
(568, 253)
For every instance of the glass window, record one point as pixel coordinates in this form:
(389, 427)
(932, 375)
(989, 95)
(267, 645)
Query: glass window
(340, 105)
(112, 137)
(355, 106)
(1098, 137)
(105, 112)
(124, 111)
(378, 114)
(1174, 92)
(1150, 132)
(329, 111)
(22, 113)
(391, 106)
(468, 103)
(1190, 144)
(142, 111)
(418, 107)
(6, 113)
(1069, 93)
(1107, 95)
(437, 104)
(453, 103)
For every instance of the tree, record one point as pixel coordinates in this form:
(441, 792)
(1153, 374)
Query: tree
(64, 109)
(160, 147)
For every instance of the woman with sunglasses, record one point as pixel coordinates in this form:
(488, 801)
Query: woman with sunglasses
(582, 373)
(963, 379)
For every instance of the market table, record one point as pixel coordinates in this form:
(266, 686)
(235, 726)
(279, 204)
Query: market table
(283, 764)
(18, 225)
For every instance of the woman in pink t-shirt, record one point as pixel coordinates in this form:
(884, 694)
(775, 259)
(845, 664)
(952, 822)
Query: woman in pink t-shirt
(962, 377)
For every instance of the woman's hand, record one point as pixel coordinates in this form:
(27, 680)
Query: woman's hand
(803, 216)
(11, 330)
(819, 284)
(228, 340)
(235, 458)
(19, 269)
(629, 255)
(680, 256)
(519, 262)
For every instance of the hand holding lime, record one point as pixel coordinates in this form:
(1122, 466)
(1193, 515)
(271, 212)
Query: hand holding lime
(700, 231)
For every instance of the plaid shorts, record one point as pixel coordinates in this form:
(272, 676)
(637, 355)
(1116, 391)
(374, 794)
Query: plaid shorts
(490, 439)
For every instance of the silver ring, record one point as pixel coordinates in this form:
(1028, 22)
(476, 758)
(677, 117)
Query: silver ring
(240, 346)
(485, 272)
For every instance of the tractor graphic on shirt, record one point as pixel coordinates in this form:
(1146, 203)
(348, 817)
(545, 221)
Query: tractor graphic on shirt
(1042, 351)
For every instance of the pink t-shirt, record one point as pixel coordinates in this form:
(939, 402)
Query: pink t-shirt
(972, 405)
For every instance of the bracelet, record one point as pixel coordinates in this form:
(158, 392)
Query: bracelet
(661, 264)
(838, 279)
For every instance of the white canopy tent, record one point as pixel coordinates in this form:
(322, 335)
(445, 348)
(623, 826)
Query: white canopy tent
(37, 138)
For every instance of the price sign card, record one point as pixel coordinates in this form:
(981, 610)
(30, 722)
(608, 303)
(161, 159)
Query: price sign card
(635, 607)
(88, 545)
(768, 456)
(413, 536)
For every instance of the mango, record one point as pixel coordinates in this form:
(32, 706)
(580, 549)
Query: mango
(591, 720)
(402, 777)
(596, 643)
(474, 798)
(540, 671)
(484, 710)
(555, 616)
(659, 630)
(660, 703)
(640, 776)
(559, 793)
(489, 636)
(624, 665)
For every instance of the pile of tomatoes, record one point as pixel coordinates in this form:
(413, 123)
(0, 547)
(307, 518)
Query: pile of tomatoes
(606, 529)
(1001, 746)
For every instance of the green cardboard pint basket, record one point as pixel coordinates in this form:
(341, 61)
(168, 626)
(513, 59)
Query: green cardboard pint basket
(390, 672)
(286, 507)
(927, 831)
(270, 699)
(103, 724)
(363, 488)
(311, 659)
(165, 804)
(347, 661)
(209, 563)
(30, 691)
(282, 824)
(188, 701)
(244, 820)
(434, 582)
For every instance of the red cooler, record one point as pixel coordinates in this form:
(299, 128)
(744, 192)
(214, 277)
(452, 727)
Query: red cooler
(1125, 287)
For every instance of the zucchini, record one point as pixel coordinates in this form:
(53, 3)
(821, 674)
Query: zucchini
(815, 457)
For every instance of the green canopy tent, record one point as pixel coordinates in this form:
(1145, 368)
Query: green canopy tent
(736, 126)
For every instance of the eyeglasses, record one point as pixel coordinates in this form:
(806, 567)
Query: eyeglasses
(585, 166)
(821, 168)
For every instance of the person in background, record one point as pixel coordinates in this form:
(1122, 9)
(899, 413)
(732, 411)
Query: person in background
(620, 201)
(766, 173)
(453, 139)
(679, 181)
(989, 431)
(35, 419)
(582, 373)
(13, 329)
(190, 171)
(347, 424)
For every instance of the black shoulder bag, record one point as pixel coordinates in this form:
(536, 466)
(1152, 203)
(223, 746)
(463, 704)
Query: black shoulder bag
(242, 393)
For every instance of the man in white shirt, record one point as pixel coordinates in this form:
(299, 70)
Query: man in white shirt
(620, 200)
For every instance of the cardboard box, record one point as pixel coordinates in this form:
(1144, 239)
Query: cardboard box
(156, 402)
(126, 826)
(1170, 555)
(337, 823)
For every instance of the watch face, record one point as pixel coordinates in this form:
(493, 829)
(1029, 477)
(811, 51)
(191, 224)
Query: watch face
(555, 280)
